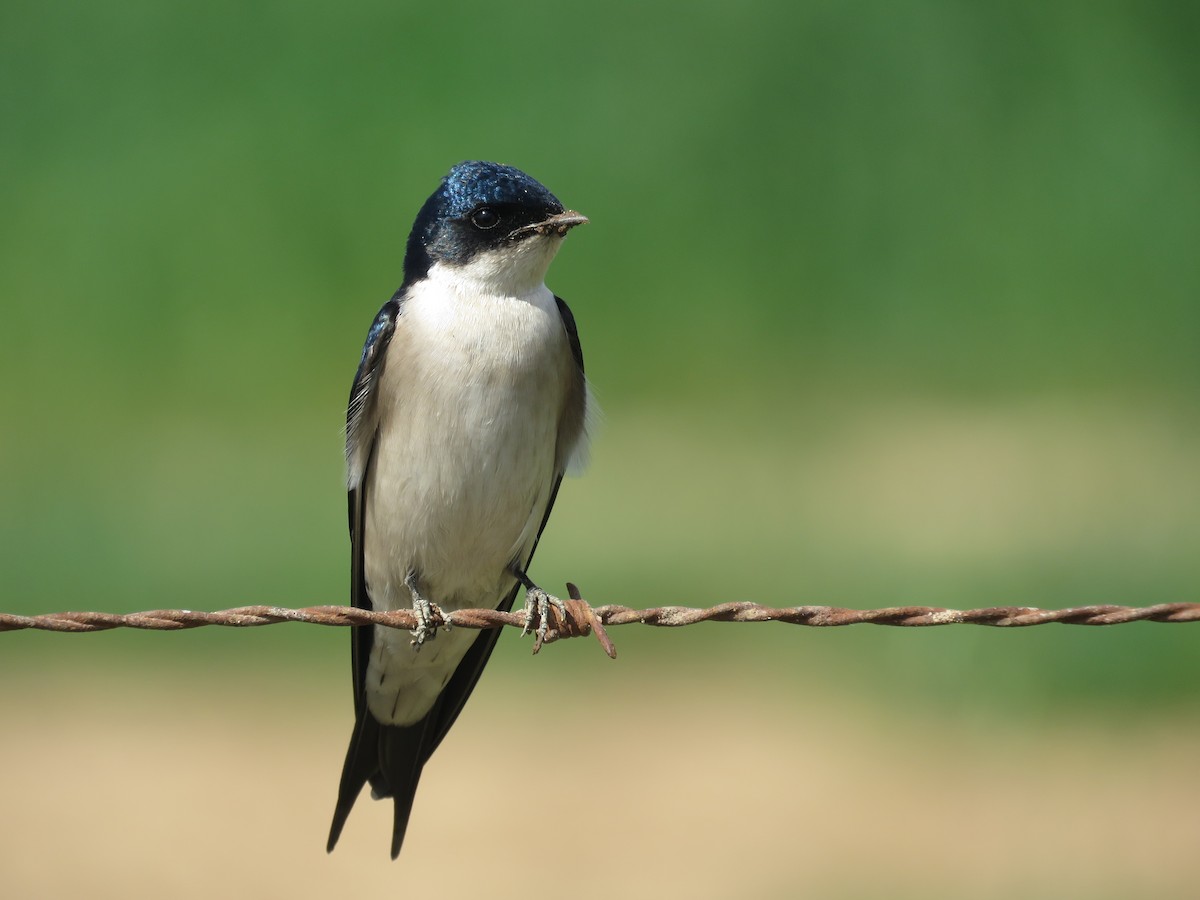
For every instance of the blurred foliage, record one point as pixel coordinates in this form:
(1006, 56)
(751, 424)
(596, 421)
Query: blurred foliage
(886, 303)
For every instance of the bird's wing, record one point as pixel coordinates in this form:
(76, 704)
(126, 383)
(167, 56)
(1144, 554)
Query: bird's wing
(572, 331)
(362, 420)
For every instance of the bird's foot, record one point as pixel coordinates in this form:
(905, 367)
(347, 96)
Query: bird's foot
(537, 610)
(425, 613)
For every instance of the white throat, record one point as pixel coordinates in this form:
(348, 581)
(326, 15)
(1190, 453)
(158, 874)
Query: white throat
(513, 270)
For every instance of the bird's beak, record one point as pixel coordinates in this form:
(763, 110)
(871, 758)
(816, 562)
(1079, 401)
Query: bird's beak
(558, 224)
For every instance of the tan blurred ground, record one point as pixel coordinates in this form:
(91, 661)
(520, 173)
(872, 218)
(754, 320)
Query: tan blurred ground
(119, 789)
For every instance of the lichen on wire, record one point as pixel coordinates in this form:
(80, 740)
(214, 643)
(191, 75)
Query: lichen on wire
(583, 619)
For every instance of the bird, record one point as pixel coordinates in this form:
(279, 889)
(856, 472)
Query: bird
(468, 406)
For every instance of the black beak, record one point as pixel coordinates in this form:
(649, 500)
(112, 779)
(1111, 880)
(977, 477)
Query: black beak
(558, 224)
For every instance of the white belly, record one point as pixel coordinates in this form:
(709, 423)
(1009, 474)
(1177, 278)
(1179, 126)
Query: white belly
(470, 402)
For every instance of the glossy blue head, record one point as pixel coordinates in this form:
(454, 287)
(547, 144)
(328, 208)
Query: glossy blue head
(478, 207)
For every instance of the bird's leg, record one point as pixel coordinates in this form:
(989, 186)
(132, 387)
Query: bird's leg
(424, 612)
(537, 605)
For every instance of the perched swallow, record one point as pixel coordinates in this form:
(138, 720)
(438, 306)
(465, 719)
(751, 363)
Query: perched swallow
(468, 406)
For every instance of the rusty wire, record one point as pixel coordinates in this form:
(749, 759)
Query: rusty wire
(583, 619)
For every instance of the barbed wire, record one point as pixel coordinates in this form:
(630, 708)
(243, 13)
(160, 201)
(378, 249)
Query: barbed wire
(583, 619)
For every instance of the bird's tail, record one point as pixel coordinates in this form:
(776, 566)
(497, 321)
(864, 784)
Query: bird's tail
(391, 758)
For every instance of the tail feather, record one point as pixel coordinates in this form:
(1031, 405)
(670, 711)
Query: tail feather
(361, 764)
(402, 756)
(391, 758)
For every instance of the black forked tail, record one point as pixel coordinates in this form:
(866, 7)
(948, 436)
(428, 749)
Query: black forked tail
(391, 758)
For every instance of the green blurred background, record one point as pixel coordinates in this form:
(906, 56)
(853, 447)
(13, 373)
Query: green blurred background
(885, 304)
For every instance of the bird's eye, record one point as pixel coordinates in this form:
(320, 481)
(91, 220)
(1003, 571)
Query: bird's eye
(485, 217)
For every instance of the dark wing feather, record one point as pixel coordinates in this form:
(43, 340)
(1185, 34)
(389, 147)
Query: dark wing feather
(361, 423)
(362, 758)
(572, 331)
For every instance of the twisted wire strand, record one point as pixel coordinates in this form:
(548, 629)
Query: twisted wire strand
(581, 614)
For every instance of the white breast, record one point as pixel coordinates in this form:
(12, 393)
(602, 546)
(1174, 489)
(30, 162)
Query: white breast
(470, 401)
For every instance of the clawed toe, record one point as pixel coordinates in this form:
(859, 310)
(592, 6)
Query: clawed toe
(537, 612)
(426, 614)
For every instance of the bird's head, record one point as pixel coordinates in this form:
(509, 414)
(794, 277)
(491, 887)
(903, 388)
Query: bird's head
(491, 221)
